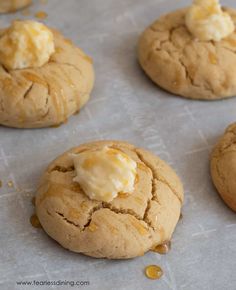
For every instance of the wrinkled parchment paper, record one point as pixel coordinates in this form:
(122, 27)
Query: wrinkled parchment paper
(124, 105)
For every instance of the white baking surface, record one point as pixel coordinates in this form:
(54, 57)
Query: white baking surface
(124, 105)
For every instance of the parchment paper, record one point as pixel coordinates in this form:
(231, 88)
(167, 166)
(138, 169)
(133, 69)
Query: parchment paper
(124, 105)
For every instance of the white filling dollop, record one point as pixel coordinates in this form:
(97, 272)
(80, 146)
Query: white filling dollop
(104, 173)
(26, 44)
(206, 21)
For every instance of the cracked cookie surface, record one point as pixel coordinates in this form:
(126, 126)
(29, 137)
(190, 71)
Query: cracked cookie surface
(48, 95)
(13, 5)
(223, 166)
(185, 66)
(126, 227)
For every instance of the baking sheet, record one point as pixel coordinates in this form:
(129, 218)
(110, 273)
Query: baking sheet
(124, 105)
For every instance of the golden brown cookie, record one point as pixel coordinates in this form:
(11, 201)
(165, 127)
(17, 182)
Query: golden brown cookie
(184, 66)
(13, 5)
(47, 95)
(223, 166)
(126, 227)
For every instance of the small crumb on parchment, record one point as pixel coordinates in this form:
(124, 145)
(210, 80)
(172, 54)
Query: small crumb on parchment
(41, 15)
(10, 183)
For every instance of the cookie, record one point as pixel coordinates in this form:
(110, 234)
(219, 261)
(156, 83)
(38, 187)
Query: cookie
(47, 95)
(185, 66)
(13, 5)
(126, 227)
(223, 166)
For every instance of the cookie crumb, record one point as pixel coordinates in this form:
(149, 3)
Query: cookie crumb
(10, 183)
(0, 183)
(41, 15)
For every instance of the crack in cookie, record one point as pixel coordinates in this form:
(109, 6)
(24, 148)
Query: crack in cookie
(66, 219)
(63, 169)
(159, 177)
